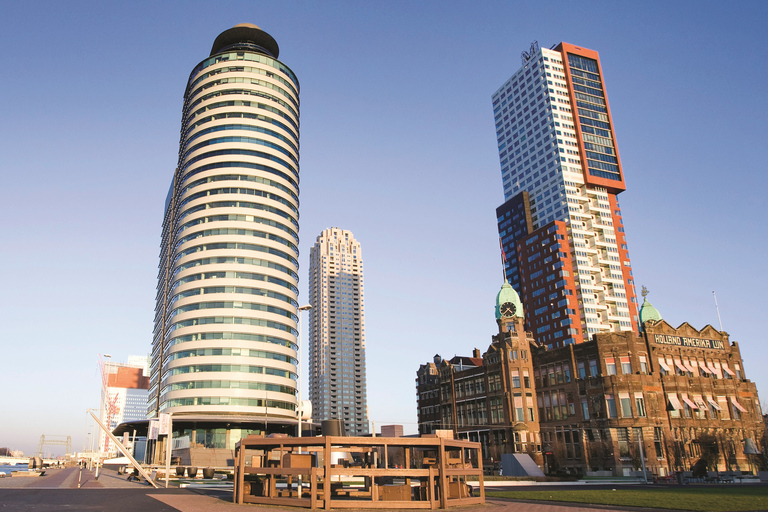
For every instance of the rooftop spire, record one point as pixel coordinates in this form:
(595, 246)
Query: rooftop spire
(647, 311)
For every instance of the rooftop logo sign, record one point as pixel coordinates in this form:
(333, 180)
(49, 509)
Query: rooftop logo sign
(526, 56)
(682, 341)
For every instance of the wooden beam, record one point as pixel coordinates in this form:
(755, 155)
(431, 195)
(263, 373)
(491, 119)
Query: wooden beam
(240, 474)
(431, 488)
(443, 485)
(125, 452)
(327, 475)
(313, 489)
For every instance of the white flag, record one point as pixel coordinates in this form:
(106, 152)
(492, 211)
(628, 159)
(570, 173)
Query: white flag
(154, 426)
(165, 424)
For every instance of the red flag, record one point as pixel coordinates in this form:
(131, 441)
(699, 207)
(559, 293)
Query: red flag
(503, 254)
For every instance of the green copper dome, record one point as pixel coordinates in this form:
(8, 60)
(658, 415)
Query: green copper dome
(508, 294)
(648, 312)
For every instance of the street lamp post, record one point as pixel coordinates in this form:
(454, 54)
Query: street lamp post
(298, 368)
(93, 442)
(88, 428)
(298, 386)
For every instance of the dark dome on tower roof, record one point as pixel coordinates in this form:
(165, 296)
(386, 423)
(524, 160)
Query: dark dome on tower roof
(246, 36)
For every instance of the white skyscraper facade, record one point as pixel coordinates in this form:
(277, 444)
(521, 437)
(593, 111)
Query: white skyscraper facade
(561, 226)
(225, 338)
(337, 379)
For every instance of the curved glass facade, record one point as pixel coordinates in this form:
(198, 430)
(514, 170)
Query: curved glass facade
(228, 273)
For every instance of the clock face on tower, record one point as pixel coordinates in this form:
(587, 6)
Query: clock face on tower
(507, 309)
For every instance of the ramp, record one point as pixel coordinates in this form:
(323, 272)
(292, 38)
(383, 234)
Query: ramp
(519, 464)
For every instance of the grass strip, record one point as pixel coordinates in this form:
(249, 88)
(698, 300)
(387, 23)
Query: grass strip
(725, 498)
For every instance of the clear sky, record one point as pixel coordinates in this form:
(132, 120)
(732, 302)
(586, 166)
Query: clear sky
(397, 145)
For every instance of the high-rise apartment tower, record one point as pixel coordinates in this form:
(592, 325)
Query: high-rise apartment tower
(225, 340)
(337, 386)
(123, 396)
(561, 228)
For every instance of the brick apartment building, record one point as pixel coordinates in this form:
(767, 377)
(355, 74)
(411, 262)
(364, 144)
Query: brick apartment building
(677, 395)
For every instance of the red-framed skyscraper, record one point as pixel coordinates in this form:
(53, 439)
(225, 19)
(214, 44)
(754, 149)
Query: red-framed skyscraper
(560, 226)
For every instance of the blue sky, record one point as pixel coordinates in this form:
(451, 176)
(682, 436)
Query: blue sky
(397, 145)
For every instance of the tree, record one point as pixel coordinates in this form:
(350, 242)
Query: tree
(675, 452)
(600, 454)
(634, 454)
(557, 456)
(763, 457)
(710, 450)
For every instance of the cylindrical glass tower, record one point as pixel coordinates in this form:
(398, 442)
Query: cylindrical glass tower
(225, 327)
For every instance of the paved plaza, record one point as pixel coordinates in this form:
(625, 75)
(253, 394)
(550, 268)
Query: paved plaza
(58, 491)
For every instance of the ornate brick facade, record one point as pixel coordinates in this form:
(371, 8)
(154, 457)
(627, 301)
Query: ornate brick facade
(676, 395)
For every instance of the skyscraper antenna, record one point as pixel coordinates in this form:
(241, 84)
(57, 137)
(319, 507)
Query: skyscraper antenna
(718, 311)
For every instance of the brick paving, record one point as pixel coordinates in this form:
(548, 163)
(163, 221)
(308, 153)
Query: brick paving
(114, 493)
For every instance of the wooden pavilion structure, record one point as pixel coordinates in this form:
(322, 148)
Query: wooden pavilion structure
(358, 472)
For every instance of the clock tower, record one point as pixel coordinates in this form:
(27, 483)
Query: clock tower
(515, 425)
(509, 309)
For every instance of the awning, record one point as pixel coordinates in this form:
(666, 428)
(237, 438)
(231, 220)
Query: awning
(736, 404)
(690, 367)
(704, 368)
(714, 404)
(689, 402)
(680, 365)
(712, 369)
(674, 401)
(728, 370)
(698, 401)
(664, 365)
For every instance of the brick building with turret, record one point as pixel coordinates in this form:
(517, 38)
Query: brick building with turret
(668, 397)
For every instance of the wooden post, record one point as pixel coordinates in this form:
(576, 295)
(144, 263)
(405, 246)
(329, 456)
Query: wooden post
(327, 476)
(431, 488)
(442, 477)
(407, 450)
(234, 487)
(241, 474)
(478, 454)
(313, 488)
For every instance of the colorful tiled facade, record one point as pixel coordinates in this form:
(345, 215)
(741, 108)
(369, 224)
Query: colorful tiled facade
(560, 227)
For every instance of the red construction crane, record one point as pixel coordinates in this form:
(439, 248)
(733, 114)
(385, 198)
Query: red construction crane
(110, 400)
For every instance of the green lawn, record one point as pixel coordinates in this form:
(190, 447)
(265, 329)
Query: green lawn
(723, 498)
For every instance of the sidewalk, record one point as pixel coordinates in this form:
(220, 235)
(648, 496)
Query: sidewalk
(526, 483)
(69, 478)
(114, 493)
